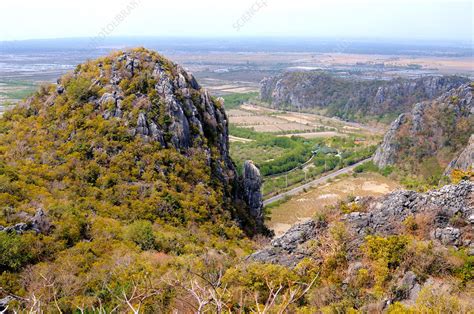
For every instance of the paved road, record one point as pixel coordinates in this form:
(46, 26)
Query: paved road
(308, 185)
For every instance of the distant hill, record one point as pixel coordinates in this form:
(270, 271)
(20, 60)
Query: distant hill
(352, 99)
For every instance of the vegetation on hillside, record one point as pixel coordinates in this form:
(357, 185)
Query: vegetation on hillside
(430, 137)
(233, 101)
(118, 207)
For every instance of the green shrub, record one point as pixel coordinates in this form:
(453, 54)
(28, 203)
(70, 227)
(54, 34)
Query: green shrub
(141, 233)
(80, 89)
(389, 250)
(14, 251)
(235, 100)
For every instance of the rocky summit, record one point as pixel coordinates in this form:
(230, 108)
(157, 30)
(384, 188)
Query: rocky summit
(138, 96)
(115, 178)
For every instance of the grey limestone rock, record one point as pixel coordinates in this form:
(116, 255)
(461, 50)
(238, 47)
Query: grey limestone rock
(384, 217)
(315, 89)
(465, 160)
(252, 183)
(386, 152)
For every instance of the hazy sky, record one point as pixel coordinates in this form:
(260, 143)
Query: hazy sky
(403, 19)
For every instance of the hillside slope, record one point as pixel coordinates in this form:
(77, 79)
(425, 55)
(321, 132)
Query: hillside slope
(352, 99)
(425, 140)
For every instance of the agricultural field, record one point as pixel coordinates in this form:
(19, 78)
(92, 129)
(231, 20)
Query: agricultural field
(307, 205)
(258, 116)
(14, 91)
(293, 148)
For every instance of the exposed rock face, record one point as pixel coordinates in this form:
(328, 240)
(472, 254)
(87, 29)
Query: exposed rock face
(385, 216)
(442, 126)
(252, 184)
(351, 98)
(386, 152)
(4, 303)
(408, 288)
(465, 160)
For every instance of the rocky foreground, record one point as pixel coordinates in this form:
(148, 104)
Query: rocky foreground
(444, 216)
(449, 219)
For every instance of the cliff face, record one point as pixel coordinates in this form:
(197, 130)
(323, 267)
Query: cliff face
(386, 153)
(352, 98)
(139, 96)
(438, 129)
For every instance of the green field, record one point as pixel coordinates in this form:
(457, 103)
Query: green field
(283, 161)
(14, 91)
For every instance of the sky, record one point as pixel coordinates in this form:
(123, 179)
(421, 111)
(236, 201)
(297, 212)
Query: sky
(385, 19)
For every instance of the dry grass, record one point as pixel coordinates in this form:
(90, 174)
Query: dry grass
(238, 113)
(256, 120)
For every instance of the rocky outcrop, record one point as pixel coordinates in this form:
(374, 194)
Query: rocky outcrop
(386, 152)
(385, 216)
(465, 160)
(252, 184)
(447, 215)
(408, 288)
(289, 249)
(353, 98)
(439, 127)
(38, 223)
(4, 303)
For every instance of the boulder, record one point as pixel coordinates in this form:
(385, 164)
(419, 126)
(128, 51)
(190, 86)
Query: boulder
(448, 235)
(407, 288)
